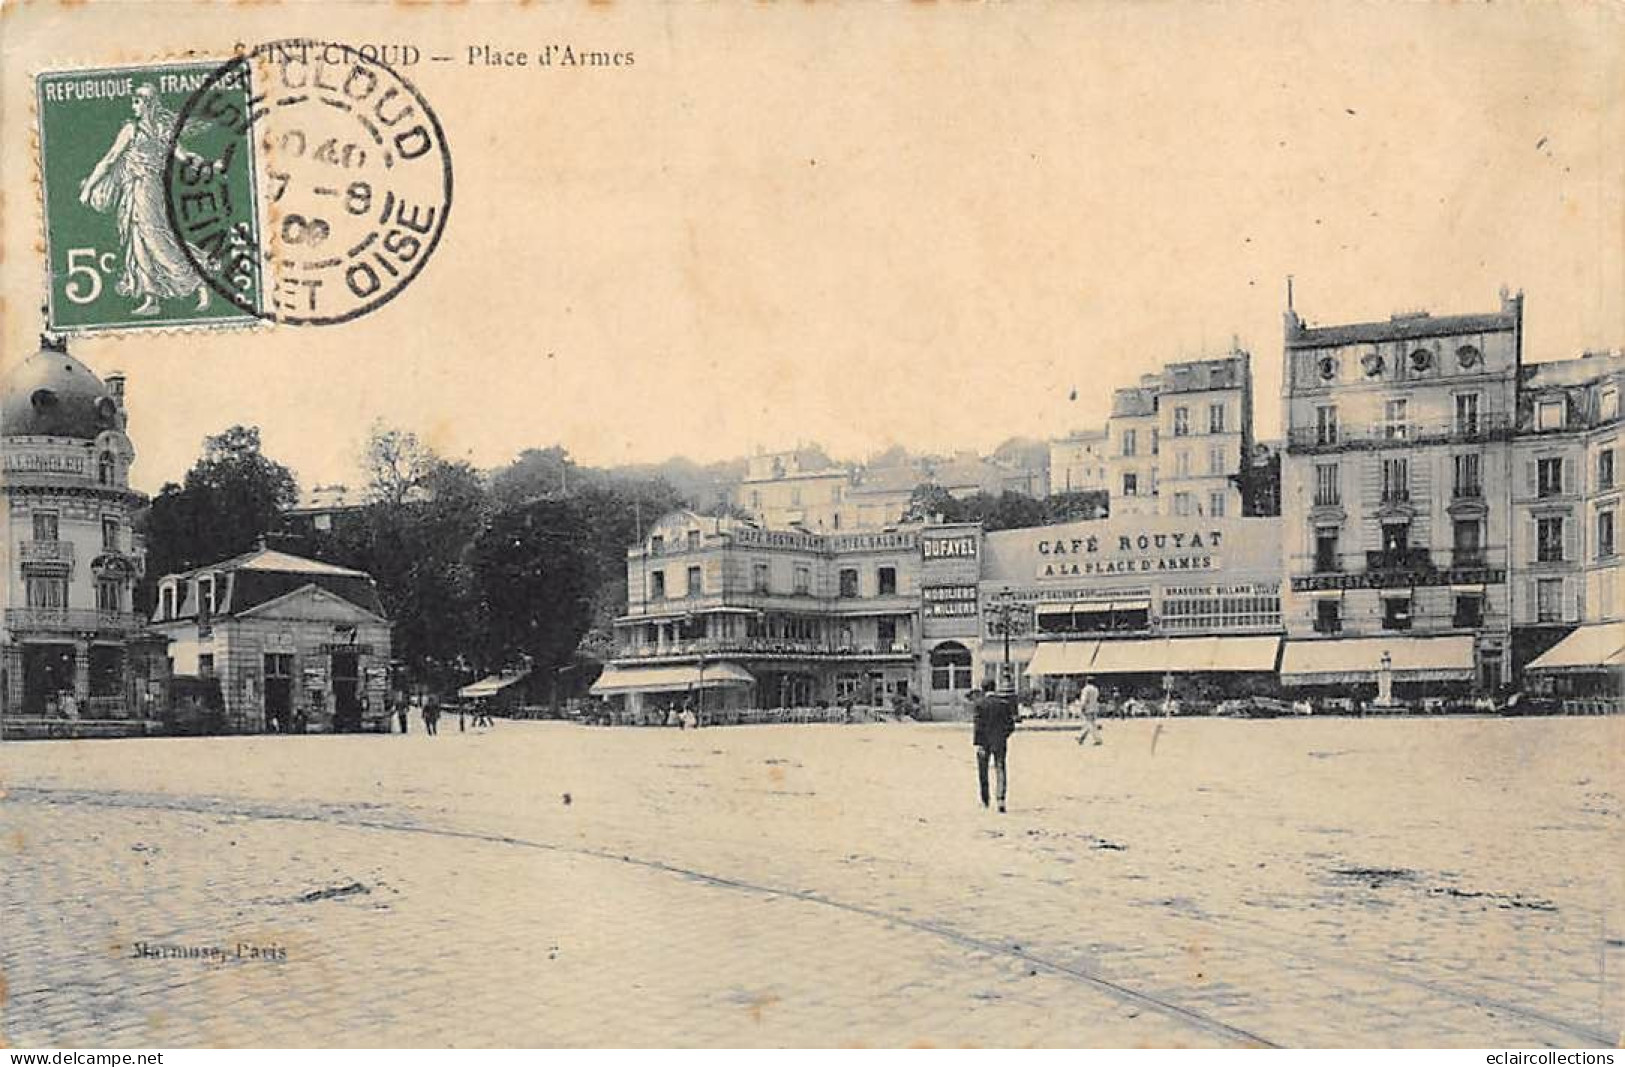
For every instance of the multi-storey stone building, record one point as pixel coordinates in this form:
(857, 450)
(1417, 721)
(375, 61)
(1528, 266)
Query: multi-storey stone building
(736, 615)
(293, 642)
(72, 658)
(1077, 462)
(1395, 506)
(1206, 432)
(1179, 441)
(1131, 448)
(1567, 602)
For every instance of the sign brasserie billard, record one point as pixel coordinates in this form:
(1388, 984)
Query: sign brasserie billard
(1129, 553)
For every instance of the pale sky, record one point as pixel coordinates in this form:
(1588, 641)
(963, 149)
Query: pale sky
(866, 225)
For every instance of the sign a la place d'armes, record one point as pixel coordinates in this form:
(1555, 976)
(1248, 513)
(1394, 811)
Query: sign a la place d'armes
(1143, 553)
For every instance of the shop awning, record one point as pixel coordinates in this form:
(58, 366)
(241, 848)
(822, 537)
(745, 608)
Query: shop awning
(670, 679)
(1149, 656)
(1336, 661)
(1063, 657)
(1187, 655)
(491, 685)
(1249, 653)
(1597, 647)
(1131, 605)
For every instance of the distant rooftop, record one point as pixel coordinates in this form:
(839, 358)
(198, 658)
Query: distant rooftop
(1411, 325)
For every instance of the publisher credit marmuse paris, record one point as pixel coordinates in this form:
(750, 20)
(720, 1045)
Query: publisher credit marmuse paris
(269, 953)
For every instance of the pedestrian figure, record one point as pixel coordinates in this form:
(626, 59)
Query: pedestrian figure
(431, 716)
(400, 713)
(994, 723)
(462, 718)
(1089, 708)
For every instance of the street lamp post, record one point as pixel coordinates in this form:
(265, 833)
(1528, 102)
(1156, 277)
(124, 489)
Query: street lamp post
(1002, 622)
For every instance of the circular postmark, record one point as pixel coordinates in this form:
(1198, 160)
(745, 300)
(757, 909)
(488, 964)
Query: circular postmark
(350, 180)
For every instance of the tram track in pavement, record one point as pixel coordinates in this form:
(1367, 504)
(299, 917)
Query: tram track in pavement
(359, 816)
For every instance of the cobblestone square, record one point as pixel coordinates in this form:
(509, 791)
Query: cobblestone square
(1189, 883)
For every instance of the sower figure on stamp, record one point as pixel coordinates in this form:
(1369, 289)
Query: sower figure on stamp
(129, 181)
(995, 722)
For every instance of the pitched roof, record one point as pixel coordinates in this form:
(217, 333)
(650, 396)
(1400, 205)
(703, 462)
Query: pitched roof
(1409, 327)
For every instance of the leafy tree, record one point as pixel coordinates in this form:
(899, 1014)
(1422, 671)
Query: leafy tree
(1080, 505)
(232, 496)
(413, 537)
(930, 500)
(532, 565)
(538, 472)
(397, 463)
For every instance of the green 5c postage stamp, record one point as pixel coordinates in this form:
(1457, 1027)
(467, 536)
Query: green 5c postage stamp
(140, 197)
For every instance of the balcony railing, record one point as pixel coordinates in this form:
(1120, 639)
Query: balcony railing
(787, 646)
(46, 551)
(1469, 557)
(1328, 626)
(1469, 491)
(1328, 564)
(1396, 496)
(1496, 427)
(1400, 559)
(70, 620)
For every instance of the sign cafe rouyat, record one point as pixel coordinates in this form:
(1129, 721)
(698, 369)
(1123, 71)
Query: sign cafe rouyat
(1070, 557)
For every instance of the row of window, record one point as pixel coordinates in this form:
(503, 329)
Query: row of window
(1128, 439)
(1397, 613)
(1220, 612)
(1187, 504)
(48, 527)
(1550, 414)
(1467, 478)
(1467, 541)
(1396, 424)
(51, 594)
(761, 581)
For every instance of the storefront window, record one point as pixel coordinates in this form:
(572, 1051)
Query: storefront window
(1396, 613)
(950, 667)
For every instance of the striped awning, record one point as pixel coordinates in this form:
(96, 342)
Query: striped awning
(1597, 647)
(670, 679)
(1063, 657)
(490, 686)
(1337, 661)
(1157, 655)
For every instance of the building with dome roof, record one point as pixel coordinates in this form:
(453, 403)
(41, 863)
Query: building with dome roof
(73, 656)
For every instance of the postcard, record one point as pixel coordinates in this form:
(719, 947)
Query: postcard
(828, 525)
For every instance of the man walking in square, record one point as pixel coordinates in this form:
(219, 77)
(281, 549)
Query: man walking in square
(995, 721)
(1089, 709)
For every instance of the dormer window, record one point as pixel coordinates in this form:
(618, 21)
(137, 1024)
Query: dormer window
(166, 602)
(205, 596)
(105, 469)
(657, 545)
